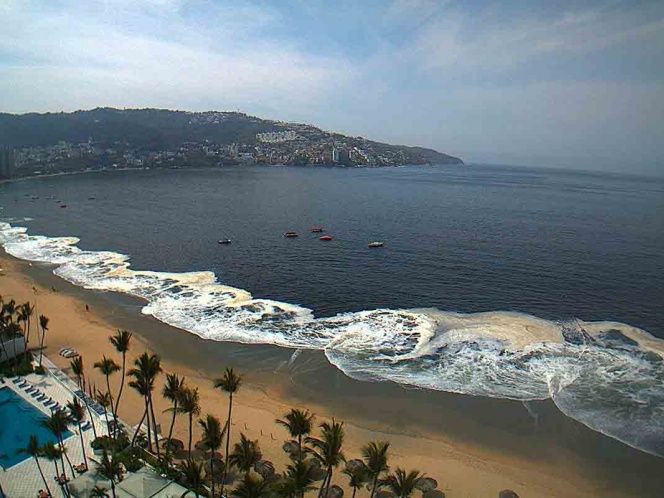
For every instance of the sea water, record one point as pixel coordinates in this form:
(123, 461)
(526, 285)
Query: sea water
(494, 281)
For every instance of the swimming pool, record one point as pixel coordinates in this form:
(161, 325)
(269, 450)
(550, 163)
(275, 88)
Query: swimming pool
(18, 420)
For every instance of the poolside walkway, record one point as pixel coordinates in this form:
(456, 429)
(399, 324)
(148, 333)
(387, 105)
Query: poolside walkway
(46, 392)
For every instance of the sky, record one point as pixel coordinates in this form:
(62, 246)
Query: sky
(550, 83)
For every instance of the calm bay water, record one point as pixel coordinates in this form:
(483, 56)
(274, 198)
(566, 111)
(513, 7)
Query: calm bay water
(554, 245)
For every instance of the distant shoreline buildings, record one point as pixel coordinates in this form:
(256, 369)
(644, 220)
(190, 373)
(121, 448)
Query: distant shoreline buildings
(7, 162)
(107, 138)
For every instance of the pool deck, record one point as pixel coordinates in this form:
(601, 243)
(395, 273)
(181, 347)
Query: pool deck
(23, 480)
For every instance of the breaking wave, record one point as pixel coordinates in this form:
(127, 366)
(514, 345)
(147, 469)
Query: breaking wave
(609, 376)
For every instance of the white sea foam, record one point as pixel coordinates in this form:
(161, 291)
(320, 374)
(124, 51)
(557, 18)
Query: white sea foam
(609, 376)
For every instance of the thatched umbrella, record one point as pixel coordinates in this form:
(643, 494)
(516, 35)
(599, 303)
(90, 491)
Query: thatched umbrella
(291, 447)
(507, 493)
(215, 467)
(434, 493)
(425, 484)
(265, 469)
(174, 445)
(334, 492)
(354, 465)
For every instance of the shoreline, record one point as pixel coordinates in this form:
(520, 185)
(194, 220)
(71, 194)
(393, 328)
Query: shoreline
(472, 446)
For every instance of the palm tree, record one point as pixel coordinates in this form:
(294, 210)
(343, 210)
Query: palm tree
(327, 450)
(245, 454)
(77, 414)
(24, 314)
(375, 458)
(402, 484)
(299, 424)
(108, 367)
(53, 454)
(213, 438)
(99, 492)
(57, 423)
(358, 475)
(230, 383)
(193, 477)
(77, 369)
(111, 469)
(35, 451)
(251, 486)
(121, 341)
(104, 399)
(298, 479)
(43, 323)
(148, 367)
(140, 385)
(190, 404)
(171, 391)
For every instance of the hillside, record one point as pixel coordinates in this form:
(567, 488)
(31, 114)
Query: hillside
(225, 136)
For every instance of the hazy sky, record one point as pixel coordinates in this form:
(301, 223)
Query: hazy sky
(526, 82)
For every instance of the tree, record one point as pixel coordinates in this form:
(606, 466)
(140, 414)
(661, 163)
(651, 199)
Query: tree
(297, 480)
(35, 451)
(25, 312)
(147, 367)
(111, 469)
(213, 438)
(104, 399)
(230, 383)
(358, 475)
(193, 477)
(77, 369)
(190, 404)
(99, 492)
(299, 424)
(327, 450)
(43, 323)
(246, 454)
(402, 484)
(77, 414)
(251, 486)
(375, 458)
(171, 391)
(141, 386)
(57, 423)
(108, 367)
(53, 454)
(121, 340)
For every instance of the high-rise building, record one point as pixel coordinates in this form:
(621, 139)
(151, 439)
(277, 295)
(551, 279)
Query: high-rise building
(7, 160)
(335, 155)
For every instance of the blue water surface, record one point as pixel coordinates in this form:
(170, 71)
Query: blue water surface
(18, 421)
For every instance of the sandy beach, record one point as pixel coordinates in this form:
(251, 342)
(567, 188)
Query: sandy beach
(473, 447)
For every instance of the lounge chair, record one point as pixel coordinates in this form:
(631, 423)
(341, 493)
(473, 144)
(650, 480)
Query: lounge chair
(49, 402)
(41, 397)
(30, 389)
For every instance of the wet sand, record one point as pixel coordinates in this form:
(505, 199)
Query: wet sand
(473, 446)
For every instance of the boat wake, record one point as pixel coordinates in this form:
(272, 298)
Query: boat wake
(608, 376)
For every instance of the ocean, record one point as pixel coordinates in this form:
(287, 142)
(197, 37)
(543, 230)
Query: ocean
(494, 281)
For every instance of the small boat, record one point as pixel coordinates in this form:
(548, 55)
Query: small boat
(290, 235)
(376, 244)
(63, 205)
(91, 198)
(325, 237)
(317, 229)
(224, 241)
